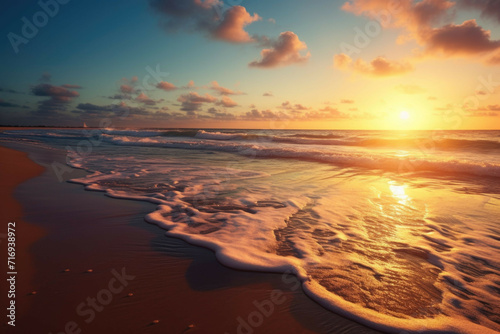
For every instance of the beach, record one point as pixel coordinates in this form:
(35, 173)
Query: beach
(211, 166)
(64, 232)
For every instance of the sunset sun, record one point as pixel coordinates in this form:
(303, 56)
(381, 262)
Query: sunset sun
(404, 115)
(350, 147)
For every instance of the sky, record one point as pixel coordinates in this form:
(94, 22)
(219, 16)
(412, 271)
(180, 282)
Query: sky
(277, 64)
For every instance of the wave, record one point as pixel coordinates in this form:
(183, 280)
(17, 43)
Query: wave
(421, 142)
(151, 133)
(250, 229)
(371, 161)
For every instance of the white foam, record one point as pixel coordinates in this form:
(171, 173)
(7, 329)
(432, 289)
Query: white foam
(326, 155)
(245, 238)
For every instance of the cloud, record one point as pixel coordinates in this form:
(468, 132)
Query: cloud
(379, 67)
(255, 114)
(326, 113)
(488, 8)
(410, 89)
(227, 102)
(8, 90)
(345, 101)
(220, 115)
(206, 16)
(294, 108)
(190, 85)
(128, 86)
(342, 61)
(222, 90)
(232, 27)
(60, 97)
(422, 21)
(6, 104)
(284, 51)
(268, 94)
(166, 86)
(120, 97)
(491, 110)
(127, 89)
(322, 114)
(466, 38)
(89, 110)
(408, 14)
(194, 101)
(55, 92)
(144, 99)
(190, 14)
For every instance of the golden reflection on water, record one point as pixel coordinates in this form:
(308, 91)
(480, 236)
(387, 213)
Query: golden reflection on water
(399, 193)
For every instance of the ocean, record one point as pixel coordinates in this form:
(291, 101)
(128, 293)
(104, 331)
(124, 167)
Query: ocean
(398, 230)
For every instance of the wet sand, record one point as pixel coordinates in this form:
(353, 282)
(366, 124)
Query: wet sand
(98, 267)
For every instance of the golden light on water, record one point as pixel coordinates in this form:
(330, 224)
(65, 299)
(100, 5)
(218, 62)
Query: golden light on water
(399, 193)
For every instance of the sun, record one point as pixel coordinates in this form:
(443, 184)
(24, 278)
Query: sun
(404, 115)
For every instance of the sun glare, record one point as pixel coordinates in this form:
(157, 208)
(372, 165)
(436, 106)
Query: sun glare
(404, 115)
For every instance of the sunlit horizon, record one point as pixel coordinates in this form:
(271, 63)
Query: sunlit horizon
(356, 64)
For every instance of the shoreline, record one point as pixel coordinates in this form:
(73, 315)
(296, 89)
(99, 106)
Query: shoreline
(16, 168)
(182, 286)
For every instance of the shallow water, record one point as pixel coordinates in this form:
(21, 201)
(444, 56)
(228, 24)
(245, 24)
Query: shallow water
(396, 230)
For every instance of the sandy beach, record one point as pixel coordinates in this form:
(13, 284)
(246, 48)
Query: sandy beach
(211, 166)
(98, 267)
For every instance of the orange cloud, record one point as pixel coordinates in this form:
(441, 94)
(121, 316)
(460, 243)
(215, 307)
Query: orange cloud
(227, 102)
(466, 38)
(127, 89)
(379, 67)
(222, 90)
(285, 51)
(143, 98)
(193, 101)
(166, 86)
(407, 14)
(419, 20)
(232, 27)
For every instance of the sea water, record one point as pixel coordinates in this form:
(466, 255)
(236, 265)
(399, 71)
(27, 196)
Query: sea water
(397, 230)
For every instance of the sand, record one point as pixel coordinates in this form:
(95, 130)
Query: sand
(16, 168)
(74, 244)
